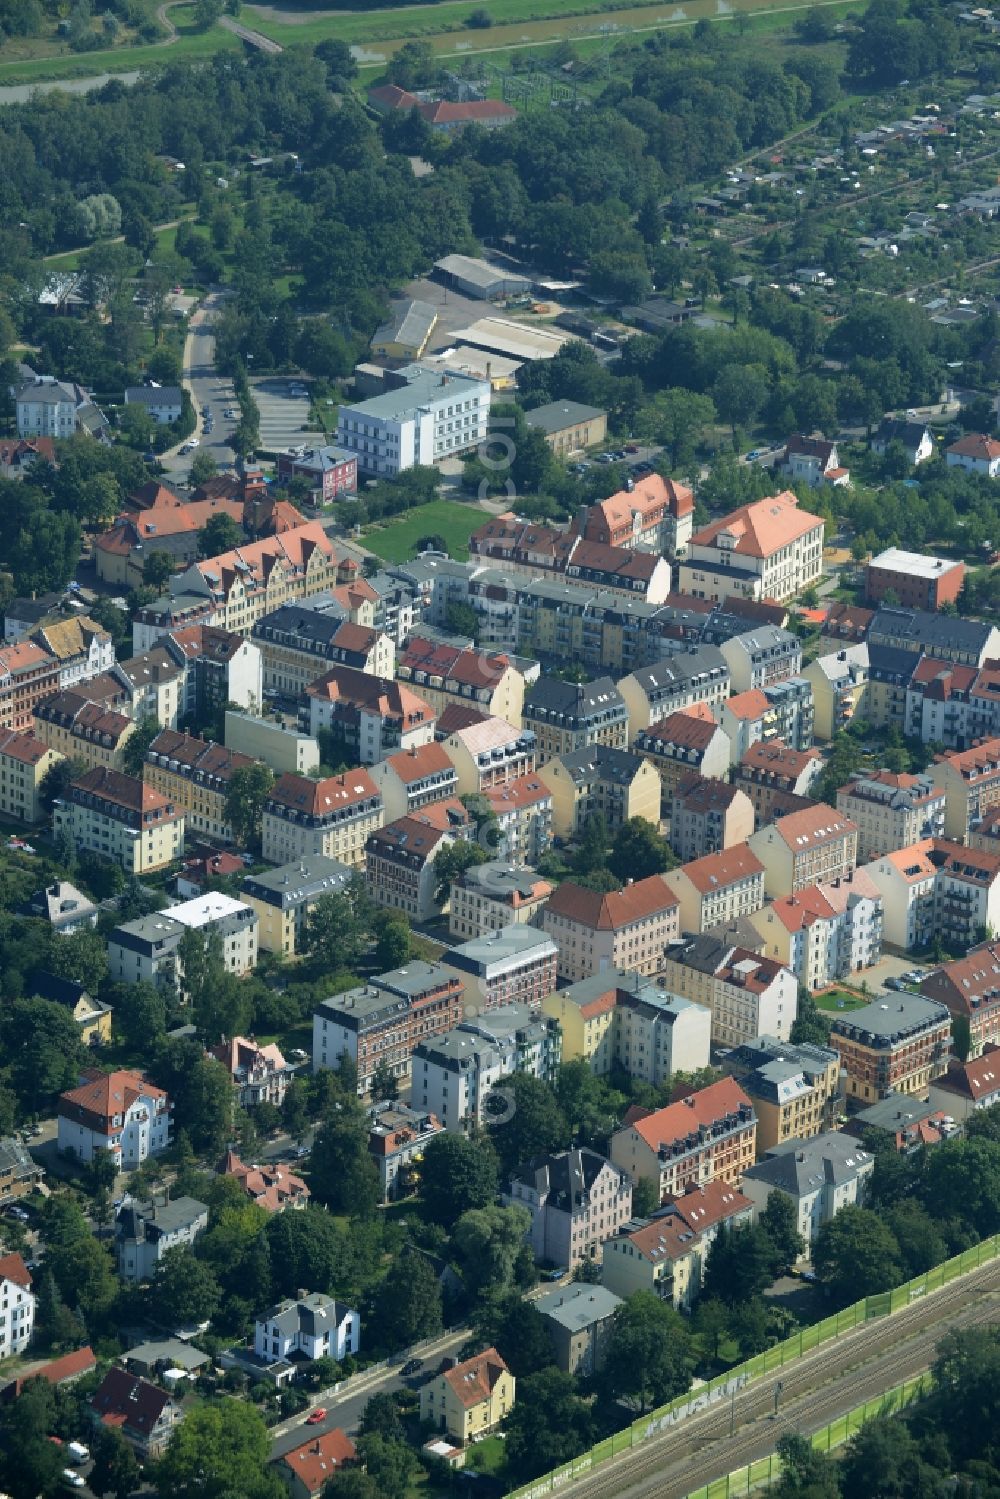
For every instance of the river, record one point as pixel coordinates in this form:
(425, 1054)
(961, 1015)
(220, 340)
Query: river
(20, 93)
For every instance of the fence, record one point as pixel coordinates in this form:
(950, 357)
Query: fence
(766, 1469)
(723, 1385)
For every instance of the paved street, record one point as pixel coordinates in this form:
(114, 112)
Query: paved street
(207, 389)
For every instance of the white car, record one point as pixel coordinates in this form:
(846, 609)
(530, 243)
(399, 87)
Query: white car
(193, 442)
(73, 1478)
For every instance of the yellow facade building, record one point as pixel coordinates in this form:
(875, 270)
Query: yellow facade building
(470, 1399)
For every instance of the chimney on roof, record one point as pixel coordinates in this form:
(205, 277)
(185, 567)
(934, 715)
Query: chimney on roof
(301, 1295)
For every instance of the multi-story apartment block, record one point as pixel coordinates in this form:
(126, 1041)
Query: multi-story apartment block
(987, 833)
(144, 1231)
(576, 1199)
(970, 988)
(523, 812)
(840, 686)
(17, 1305)
(821, 1175)
(399, 858)
(914, 581)
(24, 763)
(667, 1254)
(706, 1136)
(949, 637)
(717, 888)
(333, 817)
(490, 754)
(413, 778)
(331, 473)
(488, 896)
(568, 716)
(424, 417)
(380, 1023)
(83, 648)
(298, 643)
(804, 848)
(579, 1320)
(894, 1045)
(825, 932)
(106, 812)
(146, 950)
(195, 775)
(781, 711)
(526, 551)
(651, 515)
(748, 995)
(616, 1020)
(697, 674)
(628, 929)
(766, 550)
(445, 674)
(970, 780)
(373, 716)
(515, 965)
(119, 1112)
(968, 1087)
(79, 729)
(770, 770)
(28, 674)
(455, 1074)
(277, 745)
(762, 657)
(614, 783)
(892, 811)
(796, 1089)
(688, 741)
(707, 816)
(284, 897)
(949, 704)
(397, 1141)
(937, 889)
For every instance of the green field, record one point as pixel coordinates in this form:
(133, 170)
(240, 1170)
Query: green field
(394, 541)
(839, 1000)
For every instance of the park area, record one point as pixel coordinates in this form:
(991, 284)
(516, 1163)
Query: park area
(446, 520)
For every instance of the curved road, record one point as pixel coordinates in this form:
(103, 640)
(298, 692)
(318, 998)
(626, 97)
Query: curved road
(818, 1388)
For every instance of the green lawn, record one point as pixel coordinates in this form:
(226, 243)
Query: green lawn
(840, 999)
(487, 1456)
(395, 540)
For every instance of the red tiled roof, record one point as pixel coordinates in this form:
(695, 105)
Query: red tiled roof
(316, 1461)
(525, 791)
(473, 1381)
(780, 758)
(12, 1267)
(467, 665)
(443, 112)
(108, 1093)
(703, 1108)
(976, 445)
(714, 872)
(121, 790)
(813, 825)
(749, 705)
(24, 748)
(762, 528)
(687, 729)
(614, 910)
(331, 794)
(420, 761)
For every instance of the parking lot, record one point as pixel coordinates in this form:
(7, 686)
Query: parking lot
(283, 413)
(453, 309)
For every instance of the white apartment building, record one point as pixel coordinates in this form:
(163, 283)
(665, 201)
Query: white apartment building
(821, 1175)
(493, 895)
(428, 417)
(748, 995)
(145, 1231)
(767, 550)
(17, 1305)
(47, 408)
(115, 1111)
(314, 1326)
(453, 1075)
(145, 951)
(826, 932)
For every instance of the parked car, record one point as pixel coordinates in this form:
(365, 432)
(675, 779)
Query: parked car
(78, 1452)
(73, 1478)
(316, 1416)
(412, 1365)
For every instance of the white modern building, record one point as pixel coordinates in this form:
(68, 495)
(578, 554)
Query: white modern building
(47, 408)
(429, 416)
(145, 1231)
(314, 1326)
(17, 1305)
(455, 1074)
(146, 950)
(115, 1111)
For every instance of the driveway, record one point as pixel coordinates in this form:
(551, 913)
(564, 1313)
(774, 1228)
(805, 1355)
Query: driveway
(208, 389)
(284, 414)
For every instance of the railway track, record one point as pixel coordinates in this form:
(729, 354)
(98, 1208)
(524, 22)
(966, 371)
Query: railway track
(824, 1384)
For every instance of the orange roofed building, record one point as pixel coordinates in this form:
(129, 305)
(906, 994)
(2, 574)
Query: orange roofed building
(710, 1135)
(770, 549)
(375, 716)
(627, 929)
(118, 1112)
(274, 1186)
(655, 515)
(307, 1469)
(118, 816)
(333, 817)
(668, 1254)
(468, 1400)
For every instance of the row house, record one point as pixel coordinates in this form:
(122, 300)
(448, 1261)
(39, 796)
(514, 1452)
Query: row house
(523, 812)
(761, 657)
(488, 896)
(892, 811)
(697, 675)
(970, 989)
(83, 648)
(170, 528)
(825, 932)
(79, 729)
(936, 889)
(795, 1088)
(25, 761)
(332, 817)
(298, 643)
(890, 673)
(951, 704)
(195, 774)
(118, 1112)
(413, 778)
(707, 816)
(378, 1024)
(603, 631)
(28, 674)
(628, 929)
(895, 1045)
(771, 771)
(949, 637)
(250, 581)
(618, 1021)
(652, 514)
(120, 817)
(746, 994)
(527, 551)
(770, 549)
(684, 743)
(515, 965)
(456, 1075)
(970, 780)
(667, 1254)
(576, 1199)
(780, 713)
(399, 859)
(569, 716)
(804, 848)
(706, 1136)
(444, 674)
(372, 716)
(489, 754)
(717, 888)
(614, 784)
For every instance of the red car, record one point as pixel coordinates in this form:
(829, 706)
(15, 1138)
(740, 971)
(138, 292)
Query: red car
(316, 1416)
